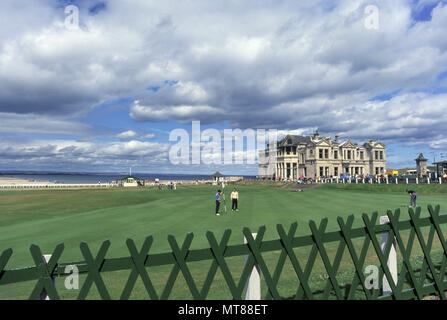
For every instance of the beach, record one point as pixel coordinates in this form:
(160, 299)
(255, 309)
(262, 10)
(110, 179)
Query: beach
(82, 181)
(9, 180)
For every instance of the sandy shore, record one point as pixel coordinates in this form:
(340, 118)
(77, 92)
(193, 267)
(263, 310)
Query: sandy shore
(10, 182)
(7, 180)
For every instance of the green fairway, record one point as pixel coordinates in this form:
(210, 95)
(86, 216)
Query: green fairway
(54, 216)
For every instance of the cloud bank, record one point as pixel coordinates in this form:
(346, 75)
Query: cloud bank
(252, 64)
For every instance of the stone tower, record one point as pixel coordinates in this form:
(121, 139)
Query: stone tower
(421, 165)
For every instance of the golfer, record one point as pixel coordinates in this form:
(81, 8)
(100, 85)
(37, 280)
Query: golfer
(219, 192)
(234, 199)
(412, 198)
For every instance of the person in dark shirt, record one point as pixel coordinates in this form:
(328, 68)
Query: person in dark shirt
(412, 198)
(219, 192)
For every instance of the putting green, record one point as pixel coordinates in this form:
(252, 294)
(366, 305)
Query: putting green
(53, 216)
(50, 217)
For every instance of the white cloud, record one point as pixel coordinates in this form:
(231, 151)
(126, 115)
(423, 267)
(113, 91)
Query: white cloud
(126, 135)
(148, 136)
(56, 154)
(148, 113)
(13, 123)
(190, 91)
(283, 65)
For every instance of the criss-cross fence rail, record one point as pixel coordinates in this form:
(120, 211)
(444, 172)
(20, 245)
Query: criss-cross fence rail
(401, 236)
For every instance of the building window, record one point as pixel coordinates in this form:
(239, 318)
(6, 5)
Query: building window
(381, 155)
(289, 141)
(335, 171)
(349, 154)
(377, 169)
(335, 154)
(361, 155)
(321, 171)
(320, 153)
(326, 153)
(376, 153)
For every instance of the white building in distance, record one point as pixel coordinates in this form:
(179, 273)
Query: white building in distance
(316, 156)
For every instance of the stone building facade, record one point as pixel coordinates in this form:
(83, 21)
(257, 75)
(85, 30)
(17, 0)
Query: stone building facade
(421, 165)
(317, 156)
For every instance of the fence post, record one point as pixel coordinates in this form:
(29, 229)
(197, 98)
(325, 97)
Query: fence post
(396, 181)
(253, 285)
(363, 180)
(44, 296)
(392, 259)
(406, 180)
(428, 180)
(387, 182)
(440, 180)
(417, 180)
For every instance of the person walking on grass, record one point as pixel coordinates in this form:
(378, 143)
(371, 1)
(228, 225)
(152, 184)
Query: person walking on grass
(234, 199)
(412, 198)
(219, 192)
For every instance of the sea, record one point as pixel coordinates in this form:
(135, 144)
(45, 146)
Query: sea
(87, 178)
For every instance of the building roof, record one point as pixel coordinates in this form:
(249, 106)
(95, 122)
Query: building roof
(441, 162)
(129, 177)
(421, 158)
(349, 143)
(296, 139)
(217, 174)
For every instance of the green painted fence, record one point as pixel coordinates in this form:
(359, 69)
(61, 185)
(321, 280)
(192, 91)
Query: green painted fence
(140, 261)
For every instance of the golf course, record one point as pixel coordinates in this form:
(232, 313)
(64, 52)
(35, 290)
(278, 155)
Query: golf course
(50, 217)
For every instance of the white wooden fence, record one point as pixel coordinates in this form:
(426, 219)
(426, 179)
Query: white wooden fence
(439, 180)
(57, 186)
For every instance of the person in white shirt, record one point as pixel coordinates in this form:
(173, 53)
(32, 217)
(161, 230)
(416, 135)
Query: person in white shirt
(234, 199)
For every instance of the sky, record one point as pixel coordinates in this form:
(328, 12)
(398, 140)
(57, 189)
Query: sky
(105, 96)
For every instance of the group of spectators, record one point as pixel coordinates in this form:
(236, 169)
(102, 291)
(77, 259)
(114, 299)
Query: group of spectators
(170, 185)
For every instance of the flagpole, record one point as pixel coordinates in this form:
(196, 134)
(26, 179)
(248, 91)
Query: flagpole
(225, 202)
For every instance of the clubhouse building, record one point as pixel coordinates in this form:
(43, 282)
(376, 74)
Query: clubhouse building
(299, 156)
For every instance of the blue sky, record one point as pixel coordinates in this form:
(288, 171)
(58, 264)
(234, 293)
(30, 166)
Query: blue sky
(106, 95)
